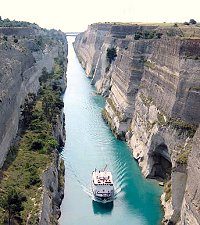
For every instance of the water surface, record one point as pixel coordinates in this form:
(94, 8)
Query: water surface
(90, 144)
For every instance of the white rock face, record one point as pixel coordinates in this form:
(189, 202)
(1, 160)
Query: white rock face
(153, 99)
(190, 212)
(17, 85)
(22, 64)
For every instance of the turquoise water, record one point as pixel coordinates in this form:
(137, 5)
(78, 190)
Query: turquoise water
(90, 144)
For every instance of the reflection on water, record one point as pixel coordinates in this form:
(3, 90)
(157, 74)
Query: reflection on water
(102, 208)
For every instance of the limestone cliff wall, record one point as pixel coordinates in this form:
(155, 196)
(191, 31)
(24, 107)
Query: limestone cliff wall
(20, 70)
(90, 44)
(190, 213)
(53, 181)
(153, 100)
(23, 59)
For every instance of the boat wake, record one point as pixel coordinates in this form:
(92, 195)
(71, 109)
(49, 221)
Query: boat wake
(87, 187)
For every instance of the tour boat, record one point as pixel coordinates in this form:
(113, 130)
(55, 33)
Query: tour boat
(102, 186)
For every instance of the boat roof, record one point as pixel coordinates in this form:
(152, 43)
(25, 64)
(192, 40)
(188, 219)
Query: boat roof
(102, 178)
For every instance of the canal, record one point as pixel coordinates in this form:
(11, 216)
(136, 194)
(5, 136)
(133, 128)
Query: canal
(90, 144)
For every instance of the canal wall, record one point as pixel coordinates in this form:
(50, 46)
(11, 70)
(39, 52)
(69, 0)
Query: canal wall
(26, 54)
(150, 76)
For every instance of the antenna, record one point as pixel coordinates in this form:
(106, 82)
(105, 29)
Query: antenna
(105, 168)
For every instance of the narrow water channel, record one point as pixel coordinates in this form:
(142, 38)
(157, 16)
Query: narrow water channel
(90, 144)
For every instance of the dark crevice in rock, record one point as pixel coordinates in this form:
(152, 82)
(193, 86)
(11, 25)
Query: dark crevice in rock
(161, 163)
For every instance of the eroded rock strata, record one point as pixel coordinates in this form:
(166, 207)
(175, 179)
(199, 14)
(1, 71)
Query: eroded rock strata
(152, 87)
(27, 53)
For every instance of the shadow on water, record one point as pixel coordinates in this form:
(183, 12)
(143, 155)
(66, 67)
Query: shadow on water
(101, 208)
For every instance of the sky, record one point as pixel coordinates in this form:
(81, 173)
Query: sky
(76, 15)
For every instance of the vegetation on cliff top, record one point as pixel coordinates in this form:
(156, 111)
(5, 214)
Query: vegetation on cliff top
(25, 163)
(13, 23)
(147, 34)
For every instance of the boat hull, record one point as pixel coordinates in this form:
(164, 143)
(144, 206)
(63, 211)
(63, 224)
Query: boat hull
(102, 199)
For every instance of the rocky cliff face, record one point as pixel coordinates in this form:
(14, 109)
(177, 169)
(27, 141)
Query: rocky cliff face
(53, 180)
(26, 53)
(153, 99)
(21, 66)
(190, 213)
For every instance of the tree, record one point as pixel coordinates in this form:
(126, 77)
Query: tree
(138, 35)
(192, 21)
(5, 38)
(27, 108)
(111, 54)
(186, 23)
(11, 202)
(15, 40)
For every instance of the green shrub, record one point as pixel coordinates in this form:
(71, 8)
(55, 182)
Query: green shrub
(161, 119)
(107, 68)
(168, 190)
(192, 21)
(12, 202)
(147, 34)
(150, 64)
(61, 174)
(34, 154)
(15, 40)
(147, 100)
(183, 126)
(186, 23)
(59, 103)
(52, 142)
(138, 35)
(183, 157)
(34, 179)
(171, 32)
(37, 145)
(5, 38)
(44, 76)
(111, 54)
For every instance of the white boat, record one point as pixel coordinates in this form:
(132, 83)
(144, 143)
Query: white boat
(102, 186)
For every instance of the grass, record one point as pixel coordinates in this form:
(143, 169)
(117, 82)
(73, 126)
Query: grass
(183, 157)
(61, 179)
(117, 113)
(146, 100)
(58, 70)
(183, 126)
(137, 23)
(26, 163)
(161, 119)
(184, 152)
(20, 176)
(168, 190)
(150, 64)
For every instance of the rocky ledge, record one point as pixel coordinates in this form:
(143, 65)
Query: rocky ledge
(150, 76)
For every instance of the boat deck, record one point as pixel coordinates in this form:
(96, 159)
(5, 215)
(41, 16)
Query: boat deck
(102, 178)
